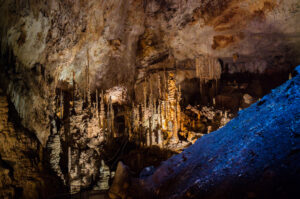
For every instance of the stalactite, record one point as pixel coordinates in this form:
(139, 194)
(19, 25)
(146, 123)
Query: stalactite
(216, 87)
(102, 111)
(160, 114)
(144, 108)
(159, 86)
(132, 121)
(128, 122)
(150, 99)
(112, 114)
(109, 117)
(151, 111)
(74, 89)
(61, 104)
(138, 121)
(97, 101)
(87, 94)
(166, 81)
(207, 68)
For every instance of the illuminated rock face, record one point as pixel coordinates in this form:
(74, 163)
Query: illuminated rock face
(160, 113)
(255, 155)
(44, 42)
(82, 73)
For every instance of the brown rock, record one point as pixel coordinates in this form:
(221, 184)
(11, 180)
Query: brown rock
(120, 183)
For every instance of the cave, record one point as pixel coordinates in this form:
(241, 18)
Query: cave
(153, 99)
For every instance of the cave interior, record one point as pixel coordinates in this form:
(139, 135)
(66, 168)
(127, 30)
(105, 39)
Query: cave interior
(149, 99)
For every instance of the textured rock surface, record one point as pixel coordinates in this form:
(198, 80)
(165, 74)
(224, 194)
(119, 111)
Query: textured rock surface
(22, 172)
(44, 41)
(132, 49)
(254, 155)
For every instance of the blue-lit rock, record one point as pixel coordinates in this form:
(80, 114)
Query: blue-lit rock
(256, 155)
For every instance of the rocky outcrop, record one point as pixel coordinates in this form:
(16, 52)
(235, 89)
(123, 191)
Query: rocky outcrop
(256, 155)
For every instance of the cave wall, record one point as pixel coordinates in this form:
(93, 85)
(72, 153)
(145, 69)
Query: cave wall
(24, 170)
(43, 42)
(57, 57)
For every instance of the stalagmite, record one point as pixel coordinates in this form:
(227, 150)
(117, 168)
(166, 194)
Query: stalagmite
(178, 108)
(172, 106)
(160, 114)
(148, 138)
(154, 140)
(159, 138)
(150, 109)
(54, 144)
(144, 108)
(103, 183)
(69, 162)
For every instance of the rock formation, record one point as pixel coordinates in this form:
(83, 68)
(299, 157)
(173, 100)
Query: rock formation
(23, 174)
(99, 81)
(256, 155)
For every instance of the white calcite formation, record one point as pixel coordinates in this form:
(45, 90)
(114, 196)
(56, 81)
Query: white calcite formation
(85, 72)
(46, 41)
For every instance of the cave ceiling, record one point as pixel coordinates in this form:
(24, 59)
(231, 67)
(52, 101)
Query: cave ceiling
(48, 44)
